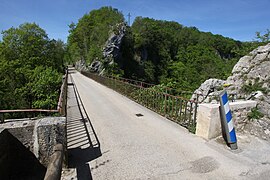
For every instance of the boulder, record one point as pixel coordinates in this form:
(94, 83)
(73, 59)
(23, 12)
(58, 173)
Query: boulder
(208, 89)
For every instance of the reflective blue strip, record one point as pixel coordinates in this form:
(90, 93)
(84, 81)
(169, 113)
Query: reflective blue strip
(233, 136)
(224, 98)
(229, 116)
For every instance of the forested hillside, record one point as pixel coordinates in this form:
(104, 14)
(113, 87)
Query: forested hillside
(89, 35)
(156, 51)
(182, 57)
(31, 68)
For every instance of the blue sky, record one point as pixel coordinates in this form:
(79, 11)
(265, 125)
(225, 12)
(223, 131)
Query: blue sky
(237, 19)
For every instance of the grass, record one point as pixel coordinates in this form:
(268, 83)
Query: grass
(254, 114)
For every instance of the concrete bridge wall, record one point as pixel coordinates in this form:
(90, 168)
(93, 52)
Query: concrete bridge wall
(39, 136)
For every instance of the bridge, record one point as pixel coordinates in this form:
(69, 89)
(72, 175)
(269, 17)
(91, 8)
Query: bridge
(123, 129)
(121, 139)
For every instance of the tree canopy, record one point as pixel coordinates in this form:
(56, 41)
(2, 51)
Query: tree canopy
(89, 35)
(178, 56)
(30, 68)
(157, 51)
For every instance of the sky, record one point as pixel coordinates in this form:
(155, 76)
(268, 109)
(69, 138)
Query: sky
(237, 19)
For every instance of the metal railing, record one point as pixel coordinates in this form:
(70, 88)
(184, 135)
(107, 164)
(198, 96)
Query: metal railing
(31, 113)
(178, 109)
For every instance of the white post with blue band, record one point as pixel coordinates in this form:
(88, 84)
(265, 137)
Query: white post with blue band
(226, 117)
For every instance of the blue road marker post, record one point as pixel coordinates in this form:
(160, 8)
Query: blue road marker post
(227, 121)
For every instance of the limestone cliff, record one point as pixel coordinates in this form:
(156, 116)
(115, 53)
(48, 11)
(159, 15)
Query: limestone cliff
(250, 79)
(111, 50)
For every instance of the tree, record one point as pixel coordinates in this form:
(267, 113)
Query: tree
(45, 87)
(30, 67)
(26, 43)
(88, 36)
(158, 51)
(263, 37)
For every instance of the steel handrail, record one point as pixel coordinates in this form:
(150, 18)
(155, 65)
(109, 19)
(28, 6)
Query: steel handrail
(179, 109)
(59, 104)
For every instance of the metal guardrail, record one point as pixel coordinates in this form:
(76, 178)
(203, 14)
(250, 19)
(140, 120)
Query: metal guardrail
(61, 106)
(179, 109)
(166, 89)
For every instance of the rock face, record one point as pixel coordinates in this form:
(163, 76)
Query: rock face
(111, 50)
(112, 46)
(251, 69)
(207, 90)
(81, 65)
(250, 79)
(251, 76)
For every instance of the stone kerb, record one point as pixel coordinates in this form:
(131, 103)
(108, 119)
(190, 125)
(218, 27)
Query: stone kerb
(208, 120)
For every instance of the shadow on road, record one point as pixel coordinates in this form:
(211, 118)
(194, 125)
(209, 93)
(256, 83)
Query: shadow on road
(82, 141)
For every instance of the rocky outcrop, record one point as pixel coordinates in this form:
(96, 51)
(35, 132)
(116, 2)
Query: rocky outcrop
(251, 69)
(112, 46)
(208, 90)
(81, 65)
(250, 79)
(111, 50)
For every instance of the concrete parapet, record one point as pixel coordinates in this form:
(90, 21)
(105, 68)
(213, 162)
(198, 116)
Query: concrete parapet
(39, 135)
(208, 120)
(50, 131)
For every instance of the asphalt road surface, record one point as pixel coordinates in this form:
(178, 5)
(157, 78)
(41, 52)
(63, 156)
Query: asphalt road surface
(127, 146)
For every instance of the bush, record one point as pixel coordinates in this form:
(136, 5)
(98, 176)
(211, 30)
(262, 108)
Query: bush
(255, 114)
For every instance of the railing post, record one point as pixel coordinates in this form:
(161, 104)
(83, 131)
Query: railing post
(195, 113)
(140, 94)
(180, 109)
(165, 104)
(185, 116)
(64, 105)
(2, 118)
(114, 83)
(165, 99)
(190, 113)
(173, 104)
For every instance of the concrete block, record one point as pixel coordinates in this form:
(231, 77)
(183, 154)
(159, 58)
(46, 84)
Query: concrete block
(208, 119)
(242, 105)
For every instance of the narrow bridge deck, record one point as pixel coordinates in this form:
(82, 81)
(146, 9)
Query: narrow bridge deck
(136, 143)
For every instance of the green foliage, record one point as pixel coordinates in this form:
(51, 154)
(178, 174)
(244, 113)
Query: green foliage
(30, 68)
(255, 114)
(45, 87)
(114, 70)
(192, 128)
(89, 35)
(181, 57)
(158, 51)
(263, 37)
(252, 87)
